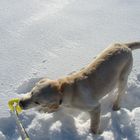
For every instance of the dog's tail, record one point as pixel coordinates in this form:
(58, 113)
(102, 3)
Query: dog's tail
(133, 45)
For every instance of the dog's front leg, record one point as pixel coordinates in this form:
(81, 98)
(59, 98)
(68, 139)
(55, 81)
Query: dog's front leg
(95, 119)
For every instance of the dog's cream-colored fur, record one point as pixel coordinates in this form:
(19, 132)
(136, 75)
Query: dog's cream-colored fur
(84, 89)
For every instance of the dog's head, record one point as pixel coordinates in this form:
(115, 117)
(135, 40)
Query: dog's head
(45, 94)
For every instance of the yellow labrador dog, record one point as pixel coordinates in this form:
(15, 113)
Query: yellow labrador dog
(84, 89)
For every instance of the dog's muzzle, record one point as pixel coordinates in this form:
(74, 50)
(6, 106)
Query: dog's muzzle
(25, 104)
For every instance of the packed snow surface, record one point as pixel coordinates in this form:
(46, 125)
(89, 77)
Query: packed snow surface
(51, 38)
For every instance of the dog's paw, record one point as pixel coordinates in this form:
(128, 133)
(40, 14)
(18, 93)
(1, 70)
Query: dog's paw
(115, 108)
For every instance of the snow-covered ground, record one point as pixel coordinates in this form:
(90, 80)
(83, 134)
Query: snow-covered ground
(52, 38)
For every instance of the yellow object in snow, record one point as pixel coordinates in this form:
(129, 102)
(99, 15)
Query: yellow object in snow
(16, 109)
(14, 104)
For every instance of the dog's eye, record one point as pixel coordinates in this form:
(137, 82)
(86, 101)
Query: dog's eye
(37, 103)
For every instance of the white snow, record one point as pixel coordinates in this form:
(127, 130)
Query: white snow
(52, 38)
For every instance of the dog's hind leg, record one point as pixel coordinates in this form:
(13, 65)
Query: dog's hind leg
(122, 84)
(121, 90)
(95, 119)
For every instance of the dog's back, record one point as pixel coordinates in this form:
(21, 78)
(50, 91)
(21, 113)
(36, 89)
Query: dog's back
(101, 75)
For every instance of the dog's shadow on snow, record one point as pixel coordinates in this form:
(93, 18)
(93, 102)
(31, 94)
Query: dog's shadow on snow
(27, 85)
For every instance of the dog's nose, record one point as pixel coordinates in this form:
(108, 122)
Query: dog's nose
(21, 104)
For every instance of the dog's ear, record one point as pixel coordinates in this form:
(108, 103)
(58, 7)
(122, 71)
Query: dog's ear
(56, 85)
(61, 86)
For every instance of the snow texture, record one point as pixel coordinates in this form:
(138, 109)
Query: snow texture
(51, 38)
